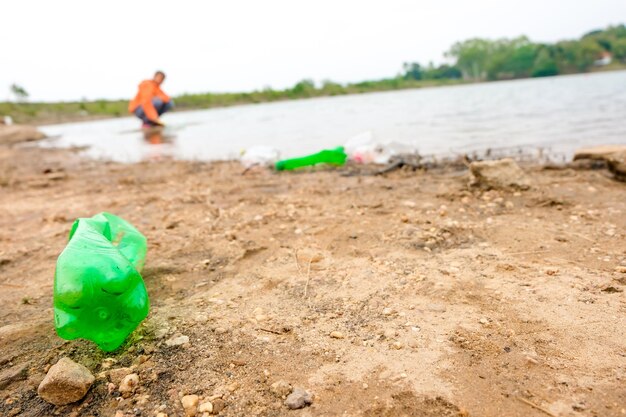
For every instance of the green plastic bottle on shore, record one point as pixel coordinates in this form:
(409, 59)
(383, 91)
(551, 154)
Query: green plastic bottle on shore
(335, 156)
(99, 293)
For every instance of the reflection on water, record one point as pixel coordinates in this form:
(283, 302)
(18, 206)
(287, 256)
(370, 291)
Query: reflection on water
(159, 144)
(558, 114)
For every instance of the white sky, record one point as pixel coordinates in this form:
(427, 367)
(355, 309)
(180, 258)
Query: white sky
(68, 49)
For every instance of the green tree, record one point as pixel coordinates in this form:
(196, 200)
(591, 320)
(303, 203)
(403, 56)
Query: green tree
(304, 88)
(544, 65)
(472, 57)
(619, 49)
(587, 52)
(412, 71)
(19, 92)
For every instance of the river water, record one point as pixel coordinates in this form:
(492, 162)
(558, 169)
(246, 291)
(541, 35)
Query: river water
(557, 114)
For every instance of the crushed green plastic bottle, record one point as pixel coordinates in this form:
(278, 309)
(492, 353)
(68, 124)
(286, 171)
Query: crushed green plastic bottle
(99, 293)
(335, 156)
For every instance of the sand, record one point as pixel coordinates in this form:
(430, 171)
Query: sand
(442, 300)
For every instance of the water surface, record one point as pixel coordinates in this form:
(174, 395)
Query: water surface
(558, 113)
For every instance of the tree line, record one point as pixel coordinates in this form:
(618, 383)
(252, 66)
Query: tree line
(472, 60)
(487, 60)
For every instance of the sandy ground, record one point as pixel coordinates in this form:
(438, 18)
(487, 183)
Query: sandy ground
(449, 301)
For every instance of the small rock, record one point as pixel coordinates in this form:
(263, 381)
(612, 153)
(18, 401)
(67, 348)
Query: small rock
(298, 398)
(161, 333)
(221, 330)
(613, 155)
(206, 407)
(336, 335)
(14, 373)
(502, 174)
(531, 360)
(390, 333)
(177, 341)
(483, 321)
(128, 385)
(190, 404)
(218, 405)
(108, 363)
(116, 375)
(161, 415)
(261, 317)
(19, 133)
(414, 343)
(66, 382)
(387, 311)
(280, 388)
(397, 345)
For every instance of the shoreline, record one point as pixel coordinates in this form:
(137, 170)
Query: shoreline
(120, 105)
(379, 294)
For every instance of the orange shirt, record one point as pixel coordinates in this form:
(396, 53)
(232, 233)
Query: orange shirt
(148, 90)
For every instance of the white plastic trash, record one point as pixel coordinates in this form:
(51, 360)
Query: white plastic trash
(363, 149)
(260, 155)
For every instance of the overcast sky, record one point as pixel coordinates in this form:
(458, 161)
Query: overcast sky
(66, 50)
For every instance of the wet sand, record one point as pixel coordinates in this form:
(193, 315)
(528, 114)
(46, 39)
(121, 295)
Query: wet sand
(446, 300)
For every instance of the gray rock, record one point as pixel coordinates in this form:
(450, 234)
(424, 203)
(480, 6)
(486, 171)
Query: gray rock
(500, 174)
(613, 155)
(299, 398)
(14, 373)
(19, 133)
(599, 152)
(280, 388)
(128, 385)
(66, 382)
(218, 405)
(177, 341)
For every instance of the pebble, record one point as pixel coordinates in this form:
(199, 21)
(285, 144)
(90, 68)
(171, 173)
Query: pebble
(177, 341)
(206, 407)
(128, 385)
(413, 343)
(261, 317)
(66, 382)
(116, 375)
(280, 388)
(397, 345)
(299, 398)
(387, 311)
(12, 374)
(161, 333)
(108, 363)
(161, 415)
(190, 404)
(390, 333)
(483, 321)
(218, 405)
(337, 335)
(531, 360)
(220, 330)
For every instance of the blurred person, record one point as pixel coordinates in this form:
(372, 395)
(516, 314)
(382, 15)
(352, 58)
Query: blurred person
(151, 102)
